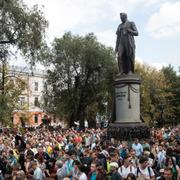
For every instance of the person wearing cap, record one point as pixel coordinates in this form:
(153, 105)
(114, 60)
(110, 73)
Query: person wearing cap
(114, 171)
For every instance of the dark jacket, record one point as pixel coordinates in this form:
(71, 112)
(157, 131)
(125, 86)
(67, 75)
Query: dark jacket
(115, 176)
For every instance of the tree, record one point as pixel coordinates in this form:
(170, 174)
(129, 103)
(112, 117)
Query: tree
(9, 97)
(23, 29)
(172, 77)
(80, 81)
(154, 95)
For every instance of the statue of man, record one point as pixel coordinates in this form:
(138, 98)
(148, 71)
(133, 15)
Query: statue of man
(125, 45)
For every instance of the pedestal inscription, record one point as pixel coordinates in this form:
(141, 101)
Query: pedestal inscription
(127, 103)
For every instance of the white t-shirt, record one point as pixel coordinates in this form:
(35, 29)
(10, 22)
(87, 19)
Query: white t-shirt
(147, 174)
(83, 177)
(38, 175)
(123, 171)
(93, 145)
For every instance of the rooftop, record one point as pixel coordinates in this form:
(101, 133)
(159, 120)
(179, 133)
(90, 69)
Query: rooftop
(27, 70)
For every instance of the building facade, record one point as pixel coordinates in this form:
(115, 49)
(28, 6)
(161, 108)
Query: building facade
(31, 99)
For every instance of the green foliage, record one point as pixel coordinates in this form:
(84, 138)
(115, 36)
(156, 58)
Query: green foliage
(174, 79)
(22, 28)
(81, 78)
(155, 95)
(9, 94)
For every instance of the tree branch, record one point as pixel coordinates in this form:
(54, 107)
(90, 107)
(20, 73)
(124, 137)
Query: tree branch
(7, 42)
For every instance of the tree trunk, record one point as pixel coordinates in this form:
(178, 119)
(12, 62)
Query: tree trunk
(71, 120)
(92, 122)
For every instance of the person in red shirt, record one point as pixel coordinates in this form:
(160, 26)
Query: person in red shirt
(77, 139)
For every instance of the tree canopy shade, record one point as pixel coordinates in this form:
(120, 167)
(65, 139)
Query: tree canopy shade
(80, 83)
(22, 28)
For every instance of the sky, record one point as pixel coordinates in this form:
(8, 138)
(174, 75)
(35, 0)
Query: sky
(158, 23)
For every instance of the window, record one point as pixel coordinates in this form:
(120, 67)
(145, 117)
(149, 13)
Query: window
(36, 118)
(36, 86)
(22, 101)
(36, 102)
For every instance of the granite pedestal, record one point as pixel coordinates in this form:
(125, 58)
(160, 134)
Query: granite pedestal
(127, 123)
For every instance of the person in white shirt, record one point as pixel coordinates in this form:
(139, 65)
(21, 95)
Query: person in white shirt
(126, 168)
(143, 170)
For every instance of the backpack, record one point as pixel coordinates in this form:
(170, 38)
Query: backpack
(149, 171)
(130, 169)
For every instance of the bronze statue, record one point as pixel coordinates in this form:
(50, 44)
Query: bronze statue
(125, 45)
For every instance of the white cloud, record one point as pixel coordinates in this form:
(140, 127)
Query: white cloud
(107, 37)
(158, 65)
(166, 22)
(65, 15)
(153, 63)
(139, 60)
(153, 2)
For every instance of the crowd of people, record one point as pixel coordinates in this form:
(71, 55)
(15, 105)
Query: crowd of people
(68, 154)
